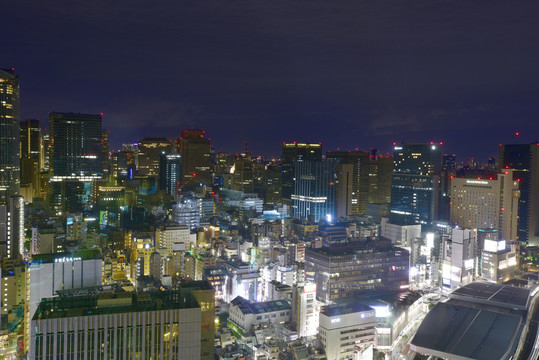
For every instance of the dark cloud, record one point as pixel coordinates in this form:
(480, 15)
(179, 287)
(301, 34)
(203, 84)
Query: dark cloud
(347, 73)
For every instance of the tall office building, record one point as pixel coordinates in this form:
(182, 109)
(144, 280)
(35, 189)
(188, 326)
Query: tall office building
(486, 204)
(31, 154)
(9, 135)
(195, 149)
(523, 159)
(291, 153)
(414, 189)
(105, 154)
(362, 178)
(149, 155)
(75, 159)
(314, 190)
(75, 146)
(170, 172)
(12, 227)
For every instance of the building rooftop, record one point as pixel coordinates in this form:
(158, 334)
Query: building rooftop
(345, 308)
(479, 321)
(261, 307)
(90, 303)
(67, 256)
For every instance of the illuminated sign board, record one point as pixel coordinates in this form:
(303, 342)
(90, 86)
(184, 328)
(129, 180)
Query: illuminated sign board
(66, 259)
(480, 182)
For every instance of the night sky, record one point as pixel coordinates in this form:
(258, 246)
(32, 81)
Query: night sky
(347, 73)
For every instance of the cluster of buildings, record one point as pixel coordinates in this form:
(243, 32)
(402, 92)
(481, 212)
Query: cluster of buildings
(169, 249)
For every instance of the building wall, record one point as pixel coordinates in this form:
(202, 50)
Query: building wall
(164, 334)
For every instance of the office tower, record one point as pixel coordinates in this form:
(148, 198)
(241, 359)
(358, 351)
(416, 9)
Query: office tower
(291, 153)
(75, 146)
(273, 181)
(12, 228)
(314, 190)
(149, 155)
(105, 155)
(170, 172)
(122, 164)
(449, 162)
(74, 159)
(523, 159)
(243, 173)
(346, 329)
(414, 189)
(196, 157)
(346, 271)
(9, 135)
(486, 204)
(111, 324)
(365, 178)
(31, 156)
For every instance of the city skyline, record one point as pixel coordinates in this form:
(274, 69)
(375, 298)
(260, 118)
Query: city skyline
(353, 75)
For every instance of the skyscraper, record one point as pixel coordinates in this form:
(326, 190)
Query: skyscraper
(75, 146)
(31, 154)
(170, 171)
(523, 159)
(314, 190)
(196, 156)
(9, 135)
(75, 159)
(414, 188)
(291, 153)
(149, 153)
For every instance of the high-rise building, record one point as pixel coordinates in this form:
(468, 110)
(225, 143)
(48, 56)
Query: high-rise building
(75, 159)
(170, 172)
(291, 153)
(12, 227)
(9, 135)
(195, 149)
(105, 155)
(75, 146)
(523, 159)
(32, 155)
(364, 179)
(314, 190)
(414, 189)
(486, 204)
(149, 155)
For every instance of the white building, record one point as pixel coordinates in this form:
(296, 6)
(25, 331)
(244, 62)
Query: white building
(307, 310)
(399, 234)
(498, 261)
(245, 315)
(346, 329)
(459, 262)
(166, 236)
(486, 204)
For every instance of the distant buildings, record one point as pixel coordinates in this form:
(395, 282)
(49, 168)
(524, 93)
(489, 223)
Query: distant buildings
(149, 155)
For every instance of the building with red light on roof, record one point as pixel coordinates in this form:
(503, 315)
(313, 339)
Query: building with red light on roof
(195, 149)
(486, 204)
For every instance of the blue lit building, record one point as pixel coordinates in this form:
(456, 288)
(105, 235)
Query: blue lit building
(314, 190)
(414, 187)
(170, 172)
